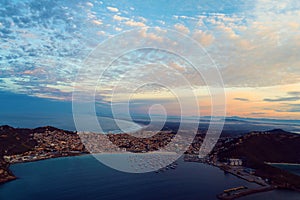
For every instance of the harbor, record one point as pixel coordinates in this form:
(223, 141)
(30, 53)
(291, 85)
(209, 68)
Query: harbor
(243, 173)
(234, 193)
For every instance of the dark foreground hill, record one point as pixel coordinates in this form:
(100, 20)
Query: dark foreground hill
(13, 141)
(257, 149)
(21, 145)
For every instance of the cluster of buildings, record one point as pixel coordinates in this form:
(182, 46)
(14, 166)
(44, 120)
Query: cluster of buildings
(164, 140)
(98, 143)
(50, 144)
(58, 141)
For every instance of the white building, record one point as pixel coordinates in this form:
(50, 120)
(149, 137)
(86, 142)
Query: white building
(235, 162)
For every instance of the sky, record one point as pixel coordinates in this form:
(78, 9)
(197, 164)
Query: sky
(254, 44)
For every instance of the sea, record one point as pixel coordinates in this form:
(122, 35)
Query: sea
(293, 168)
(84, 177)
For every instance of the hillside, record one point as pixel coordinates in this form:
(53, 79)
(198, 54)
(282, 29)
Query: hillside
(272, 146)
(257, 148)
(22, 145)
(15, 141)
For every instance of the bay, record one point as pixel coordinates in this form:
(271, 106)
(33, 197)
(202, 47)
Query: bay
(83, 177)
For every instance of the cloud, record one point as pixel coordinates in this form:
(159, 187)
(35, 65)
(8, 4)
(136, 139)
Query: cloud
(36, 72)
(102, 33)
(282, 99)
(49, 56)
(89, 4)
(292, 108)
(253, 47)
(176, 66)
(181, 28)
(112, 9)
(143, 19)
(204, 38)
(134, 23)
(150, 35)
(119, 18)
(159, 21)
(258, 113)
(241, 99)
(294, 93)
(257, 47)
(97, 22)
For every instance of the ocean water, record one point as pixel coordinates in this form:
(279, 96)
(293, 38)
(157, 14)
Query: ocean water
(83, 177)
(279, 194)
(274, 195)
(293, 168)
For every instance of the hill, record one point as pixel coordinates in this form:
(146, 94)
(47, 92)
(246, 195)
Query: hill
(22, 145)
(256, 149)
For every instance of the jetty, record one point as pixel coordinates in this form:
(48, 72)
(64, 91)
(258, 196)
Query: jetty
(238, 192)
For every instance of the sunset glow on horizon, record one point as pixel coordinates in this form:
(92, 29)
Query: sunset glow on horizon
(254, 44)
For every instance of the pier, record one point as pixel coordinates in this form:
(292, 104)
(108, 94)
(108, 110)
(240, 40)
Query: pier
(238, 192)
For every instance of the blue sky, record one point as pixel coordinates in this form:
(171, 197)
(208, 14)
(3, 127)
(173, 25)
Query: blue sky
(255, 45)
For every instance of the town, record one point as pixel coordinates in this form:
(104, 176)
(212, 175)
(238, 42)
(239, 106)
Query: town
(228, 154)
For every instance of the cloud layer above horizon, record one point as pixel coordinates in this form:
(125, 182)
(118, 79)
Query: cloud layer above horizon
(255, 44)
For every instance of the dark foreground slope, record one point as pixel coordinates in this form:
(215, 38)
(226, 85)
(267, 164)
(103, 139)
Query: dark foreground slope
(257, 149)
(22, 145)
(13, 141)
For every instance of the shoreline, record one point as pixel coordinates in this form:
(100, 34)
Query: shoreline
(222, 196)
(54, 143)
(246, 192)
(264, 187)
(92, 154)
(236, 171)
(12, 177)
(291, 164)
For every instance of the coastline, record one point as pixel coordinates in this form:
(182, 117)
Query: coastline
(11, 177)
(222, 196)
(263, 186)
(49, 142)
(292, 164)
(73, 172)
(8, 179)
(244, 193)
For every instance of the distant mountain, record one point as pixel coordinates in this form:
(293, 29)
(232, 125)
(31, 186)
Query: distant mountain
(216, 118)
(264, 120)
(279, 131)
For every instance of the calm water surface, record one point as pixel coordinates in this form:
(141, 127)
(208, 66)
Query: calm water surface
(84, 177)
(293, 168)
